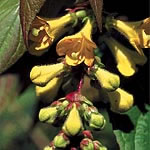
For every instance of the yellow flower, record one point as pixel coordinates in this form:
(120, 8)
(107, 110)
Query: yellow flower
(41, 75)
(73, 124)
(120, 100)
(135, 32)
(44, 31)
(49, 91)
(48, 148)
(146, 25)
(78, 48)
(126, 59)
(107, 80)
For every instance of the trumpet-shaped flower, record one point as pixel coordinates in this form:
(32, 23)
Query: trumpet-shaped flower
(78, 48)
(73, 124)
(44, 31)
(126, 59)
(136, 32)
(107, 80)
(41, 75)
(49, 91)
(120, 100)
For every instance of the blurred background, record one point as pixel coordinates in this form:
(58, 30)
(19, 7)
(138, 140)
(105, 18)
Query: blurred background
(20, 128)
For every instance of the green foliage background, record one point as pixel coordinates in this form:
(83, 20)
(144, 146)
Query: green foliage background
(20, 128)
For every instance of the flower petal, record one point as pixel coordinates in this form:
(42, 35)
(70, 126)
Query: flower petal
(78, 47)
(41, 75)
(107, 80)
(68, 45)
(73, 123)
(49, 91)
(146, 25)
(120, 100)
(126, 59)
(133, 31)
(74, 62)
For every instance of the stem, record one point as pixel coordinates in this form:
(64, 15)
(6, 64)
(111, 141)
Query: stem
(80, 85)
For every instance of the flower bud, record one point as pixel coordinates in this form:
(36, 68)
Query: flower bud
(48, 114)
(73, 148)
(120, 100)
(87, 144)
(98, 146)
(41, 75)
(61, 105)
(73, 124)
(84, 106)
(107, 80)
(62, 108)
(61, 141)
(97, 121)
(84, 110)
(88, 111)
(87, 134)
(81, 14)
(49, 148)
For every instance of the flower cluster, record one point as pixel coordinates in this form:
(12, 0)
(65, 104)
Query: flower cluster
(75, 113)
(87, 143)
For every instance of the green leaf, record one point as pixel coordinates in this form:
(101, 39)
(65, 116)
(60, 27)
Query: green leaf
(142, 135)
(17, 119)
(139, 137)
(28, 11)
(11, 41)
(126, 140)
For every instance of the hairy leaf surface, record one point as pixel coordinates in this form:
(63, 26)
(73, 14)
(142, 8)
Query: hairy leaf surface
(11, 41)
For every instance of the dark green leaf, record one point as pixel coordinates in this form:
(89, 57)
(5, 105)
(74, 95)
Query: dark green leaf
(139, 137)
(142, 135)
(97, 6)
(11, 41)
(28, 11)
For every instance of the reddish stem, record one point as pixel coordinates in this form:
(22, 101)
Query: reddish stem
(80, 85)
(74, 9)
